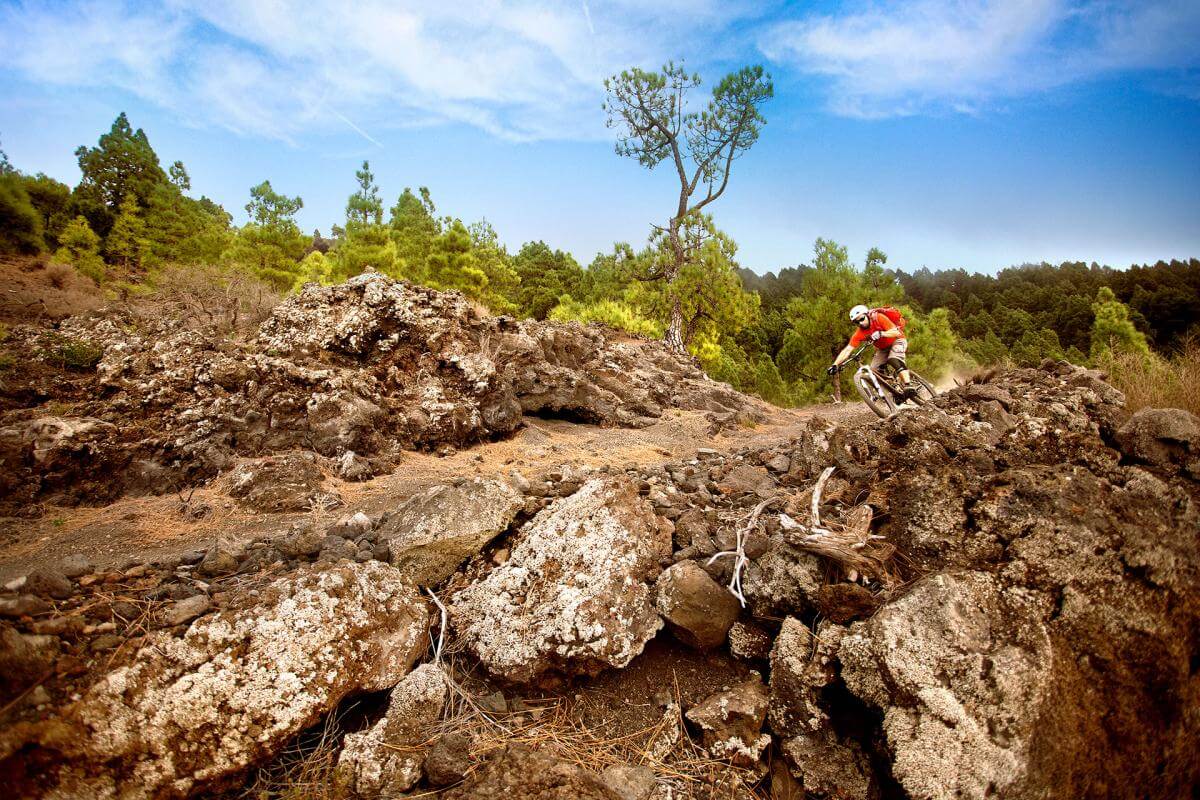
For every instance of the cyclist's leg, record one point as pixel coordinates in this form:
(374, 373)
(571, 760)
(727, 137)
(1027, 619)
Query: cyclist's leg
(896, 357)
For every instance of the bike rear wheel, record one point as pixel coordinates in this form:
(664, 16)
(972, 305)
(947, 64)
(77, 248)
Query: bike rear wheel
(881, 403)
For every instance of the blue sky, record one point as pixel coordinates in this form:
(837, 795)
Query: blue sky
(950, 133)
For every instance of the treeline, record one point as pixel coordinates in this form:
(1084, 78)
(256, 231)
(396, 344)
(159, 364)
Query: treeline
(129, 220)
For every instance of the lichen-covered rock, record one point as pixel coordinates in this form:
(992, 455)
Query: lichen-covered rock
(964, 673)
(698, 610)
(784, 580)
(828, 767)
(184, 714)
(434, 532)
(574, 595)
(801, 666)
(287, 482)
(731, 721)
(385, 759)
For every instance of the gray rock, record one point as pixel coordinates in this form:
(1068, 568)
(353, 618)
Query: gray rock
(434, 532)
(187, 610)
(780, 463)
(49, 583)
(76, 565)
(698, 611)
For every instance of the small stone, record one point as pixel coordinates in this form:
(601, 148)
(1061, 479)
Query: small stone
(698, 610)
(23, 605)
(217, 562)
(303, 540)
(731, 721)
(49, 583)
(780, 463)
(107, 641)
(351, 526)
(629, 782)
(748, 641)
(76, 565)
(187, 610)
(493, 703)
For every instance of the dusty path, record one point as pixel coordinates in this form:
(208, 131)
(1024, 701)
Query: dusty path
(145, 528)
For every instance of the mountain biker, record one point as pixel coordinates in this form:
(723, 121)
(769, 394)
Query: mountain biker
(888, 338)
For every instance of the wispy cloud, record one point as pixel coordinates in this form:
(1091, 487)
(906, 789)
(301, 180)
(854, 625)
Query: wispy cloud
(902, 58)
(521, 69)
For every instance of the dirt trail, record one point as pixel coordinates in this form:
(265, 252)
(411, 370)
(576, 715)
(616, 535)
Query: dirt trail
(145, 528)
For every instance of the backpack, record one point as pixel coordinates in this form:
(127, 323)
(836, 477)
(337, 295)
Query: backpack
(892, 313)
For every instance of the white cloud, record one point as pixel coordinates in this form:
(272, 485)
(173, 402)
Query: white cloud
(902, 58)
(521, 69)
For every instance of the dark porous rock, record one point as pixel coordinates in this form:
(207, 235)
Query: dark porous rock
(448, 760)
(24, 659)
(747, 479)
(1164, 438)
(846, 602)
(698, 611)
(749, 641)
(517, 773)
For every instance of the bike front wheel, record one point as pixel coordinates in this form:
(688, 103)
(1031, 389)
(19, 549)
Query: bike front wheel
(879, 402)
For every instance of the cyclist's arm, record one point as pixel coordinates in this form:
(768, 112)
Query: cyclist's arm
(842, 356)
(890, 329)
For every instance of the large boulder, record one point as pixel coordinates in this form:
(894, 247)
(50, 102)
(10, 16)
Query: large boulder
(575, 595)
(432, 533)
(286, 482)
(964, 673)
(184, 714)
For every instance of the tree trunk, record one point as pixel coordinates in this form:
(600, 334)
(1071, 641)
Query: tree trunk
(674, 334)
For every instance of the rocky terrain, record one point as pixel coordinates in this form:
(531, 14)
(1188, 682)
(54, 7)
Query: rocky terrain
(994, 596)
(356, 372)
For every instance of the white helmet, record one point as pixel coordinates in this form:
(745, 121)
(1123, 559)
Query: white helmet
(858, 312)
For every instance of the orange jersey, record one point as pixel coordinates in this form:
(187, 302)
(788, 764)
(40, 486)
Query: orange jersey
(879, 322)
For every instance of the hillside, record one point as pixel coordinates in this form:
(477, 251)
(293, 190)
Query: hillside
(384, 544)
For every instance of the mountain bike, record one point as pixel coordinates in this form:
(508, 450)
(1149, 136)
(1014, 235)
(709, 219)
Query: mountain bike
(881, 389)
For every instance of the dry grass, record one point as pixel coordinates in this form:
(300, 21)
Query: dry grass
(196, 296)
(1159, 382)
(36, 288)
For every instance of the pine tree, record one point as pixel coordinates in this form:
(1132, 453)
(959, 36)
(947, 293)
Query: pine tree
(1113, 333)
(80, 246)
(126, 243)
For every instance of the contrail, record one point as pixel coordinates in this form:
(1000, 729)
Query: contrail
(587, 14)
(359, 130)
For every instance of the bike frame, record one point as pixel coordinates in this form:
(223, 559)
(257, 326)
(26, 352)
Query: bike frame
(864, 367)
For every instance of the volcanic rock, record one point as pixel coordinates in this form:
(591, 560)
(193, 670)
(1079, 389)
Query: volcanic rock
(431, 534)
(697, 609)
(573, 595)
(182, 714)
(731, 721)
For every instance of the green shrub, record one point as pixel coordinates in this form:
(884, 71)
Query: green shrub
(69, 353)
